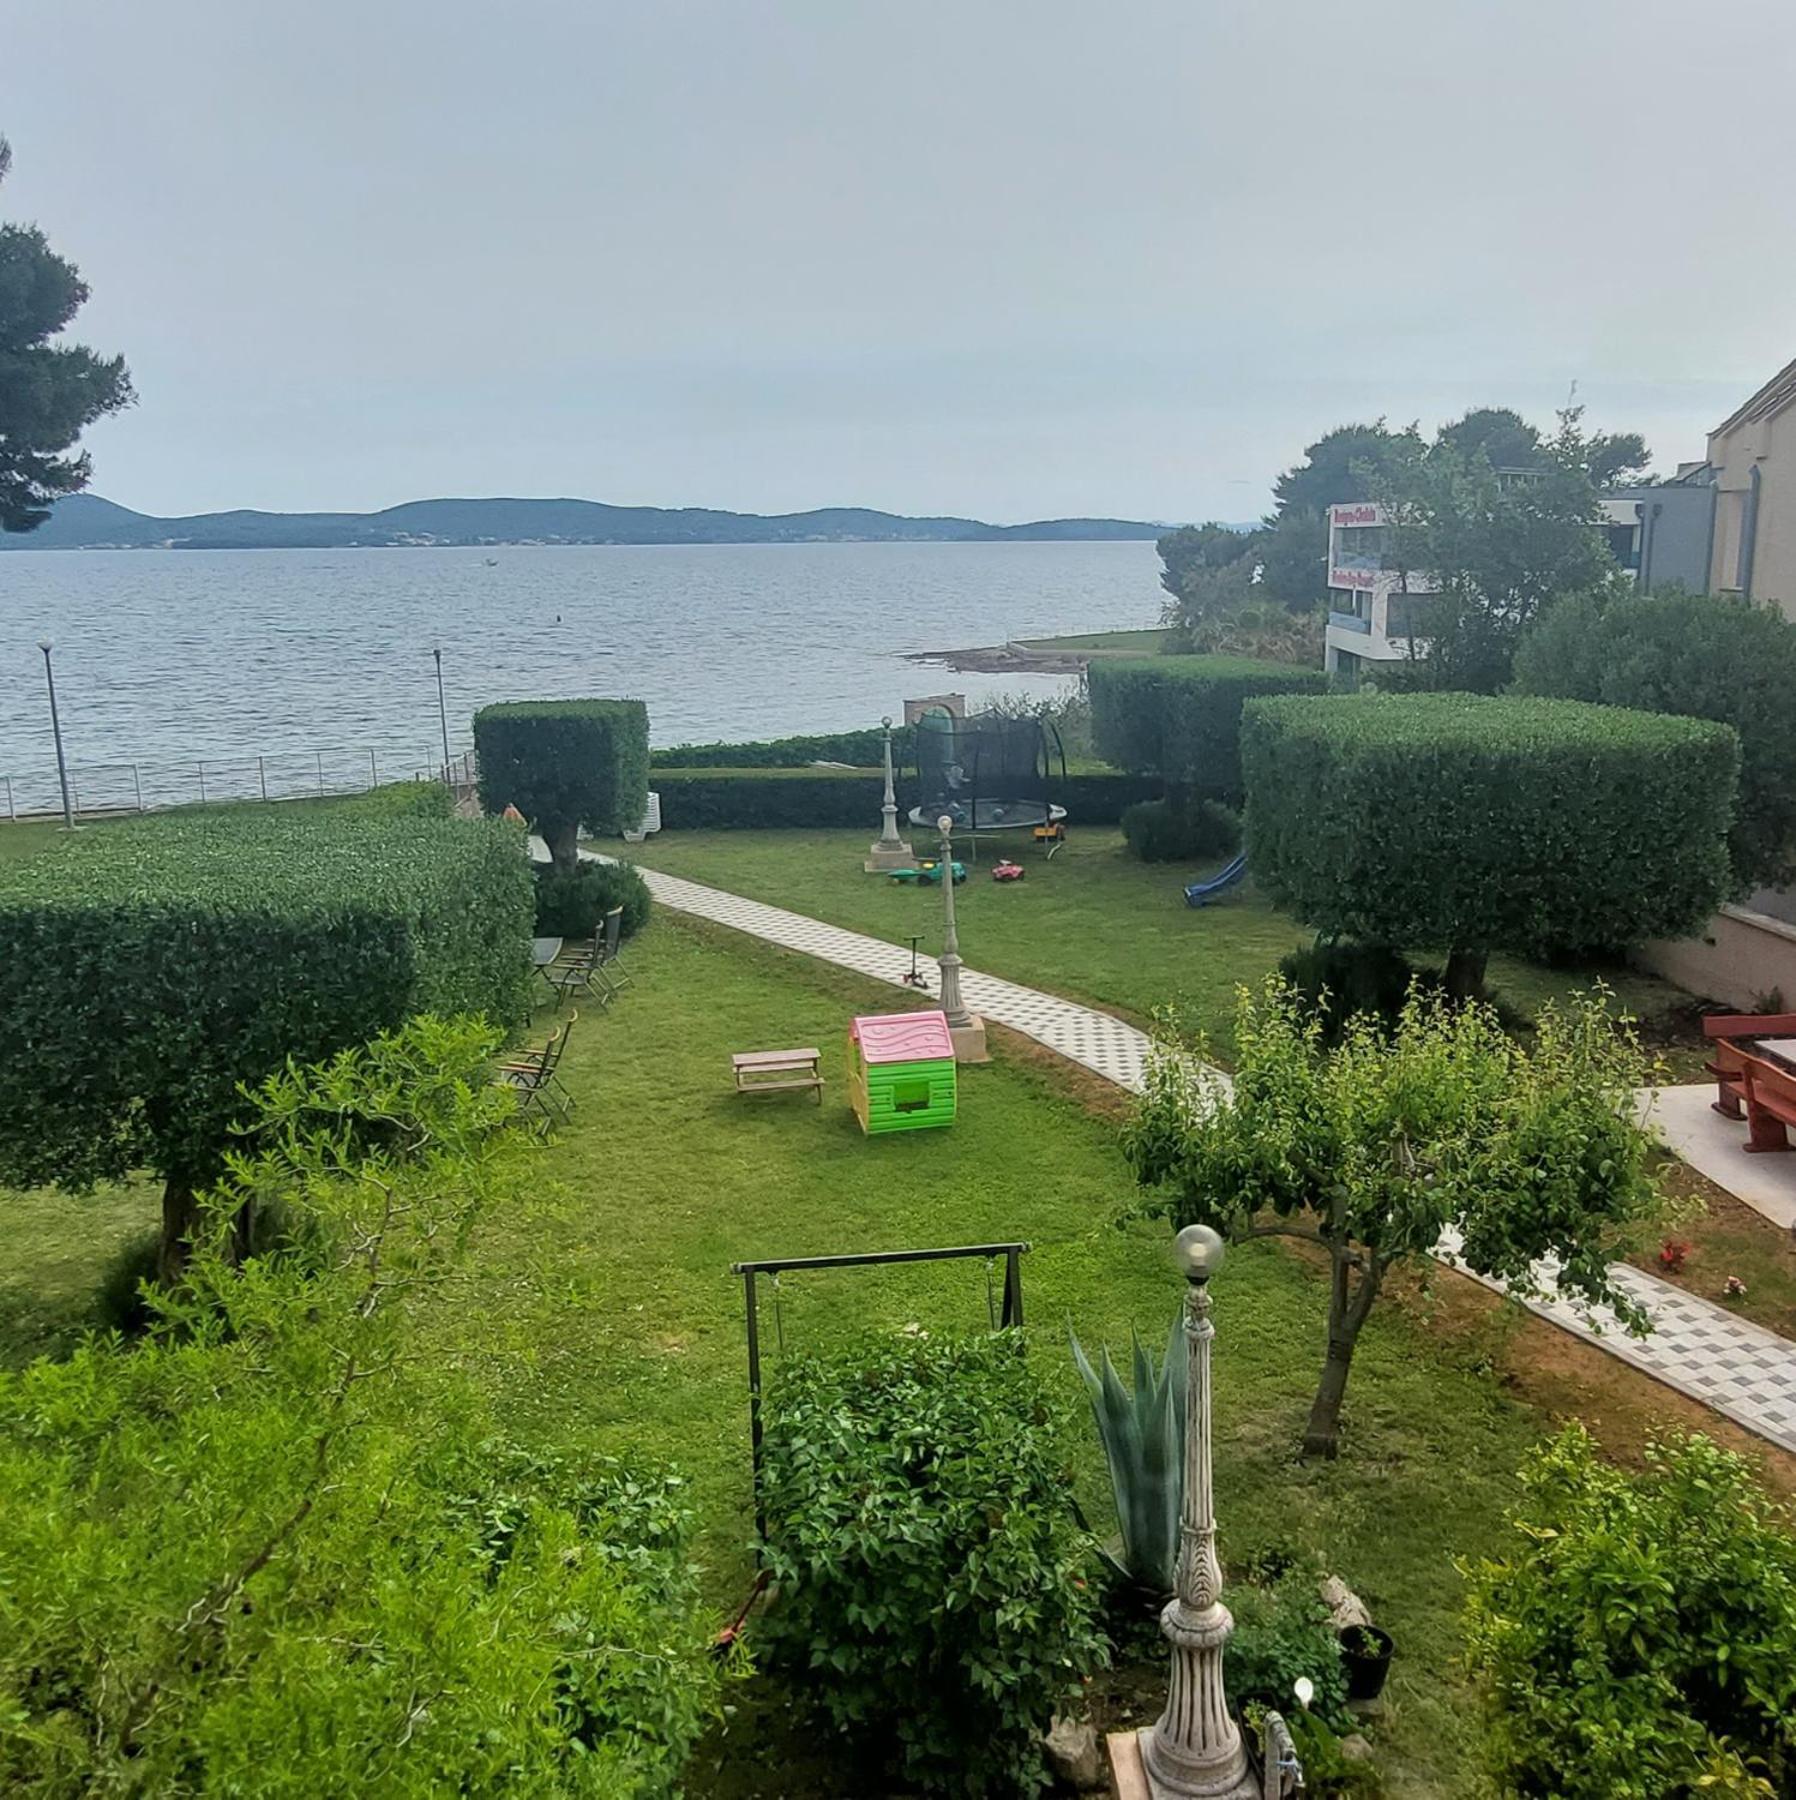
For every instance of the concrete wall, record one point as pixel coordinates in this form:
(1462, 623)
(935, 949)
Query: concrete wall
(1742, 958)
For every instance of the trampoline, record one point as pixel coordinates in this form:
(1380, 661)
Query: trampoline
(989, 773)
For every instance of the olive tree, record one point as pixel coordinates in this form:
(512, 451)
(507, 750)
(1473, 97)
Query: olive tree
(1446, 1132)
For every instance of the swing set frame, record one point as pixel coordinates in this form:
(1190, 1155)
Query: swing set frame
(1009, 1314)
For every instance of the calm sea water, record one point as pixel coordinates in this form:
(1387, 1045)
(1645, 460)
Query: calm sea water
(318, 662)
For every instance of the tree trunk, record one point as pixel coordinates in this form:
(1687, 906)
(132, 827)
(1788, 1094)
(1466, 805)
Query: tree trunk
(564, 847)
(1465, 974)
(1347, 1309)
(180, 1214)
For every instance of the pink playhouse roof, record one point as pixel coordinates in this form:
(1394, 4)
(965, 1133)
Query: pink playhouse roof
(903, 1037)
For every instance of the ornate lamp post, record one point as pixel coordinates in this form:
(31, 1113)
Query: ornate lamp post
(62, 767)
(967, 1030)
(891, 852)
(1195, 1748)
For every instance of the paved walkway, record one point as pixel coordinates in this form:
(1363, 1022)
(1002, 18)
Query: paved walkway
(1688, 1122)
(1700, 1349)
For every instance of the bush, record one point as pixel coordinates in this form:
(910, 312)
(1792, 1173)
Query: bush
(1180, 716)
(278, 1549)
(1638, 1636)
(1336, 978)
(399, 800)
(565, 764)
(147, 970)
(1283, 1632)
(840, 799)
(574, 906)
(1473, 824)
(1160, 831)
(932, 1583)
(1704, 658)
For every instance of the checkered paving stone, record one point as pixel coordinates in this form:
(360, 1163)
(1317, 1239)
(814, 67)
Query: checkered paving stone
(1737, 1368)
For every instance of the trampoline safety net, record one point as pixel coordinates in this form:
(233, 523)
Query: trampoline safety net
(989, 773)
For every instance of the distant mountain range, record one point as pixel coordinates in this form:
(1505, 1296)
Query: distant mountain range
(86, 522)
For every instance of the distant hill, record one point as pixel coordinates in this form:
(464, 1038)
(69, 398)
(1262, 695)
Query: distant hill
(86, 522)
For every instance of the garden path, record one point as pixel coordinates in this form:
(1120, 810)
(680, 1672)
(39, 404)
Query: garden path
(1726, 1362)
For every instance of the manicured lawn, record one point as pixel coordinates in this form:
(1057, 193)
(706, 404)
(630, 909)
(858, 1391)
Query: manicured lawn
(1093, 924)
(17, 841)
(1148, 641)
(610, 1316)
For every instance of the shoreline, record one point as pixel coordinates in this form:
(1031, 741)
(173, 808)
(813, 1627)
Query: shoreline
(1067, 655)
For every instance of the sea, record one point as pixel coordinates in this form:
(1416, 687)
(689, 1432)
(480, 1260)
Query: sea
(213, 674)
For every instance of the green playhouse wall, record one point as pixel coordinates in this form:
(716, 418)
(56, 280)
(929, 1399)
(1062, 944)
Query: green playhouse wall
(886, 1085)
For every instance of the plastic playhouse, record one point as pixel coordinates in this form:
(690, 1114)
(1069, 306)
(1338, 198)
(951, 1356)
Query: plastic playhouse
(901, 1071)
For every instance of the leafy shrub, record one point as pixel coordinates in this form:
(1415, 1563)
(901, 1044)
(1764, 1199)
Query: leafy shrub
(1180, 716)
(829, 799)
(1334, 978)
(149, 969)
(1638, 1635)
(1161, 831)
(1283, 1632)
(565, 764)
(1704, 658)
(1328, 1773)
(120, 1301)
(399, 800)
(932, 1587)
(574, 906)
(1475, 824)
(279, 1550)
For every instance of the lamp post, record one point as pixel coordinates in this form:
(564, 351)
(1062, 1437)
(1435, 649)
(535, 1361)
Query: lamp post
(891, 852)
(443, 716)
(1195, 1748)
(966, 1028)
(62, 767)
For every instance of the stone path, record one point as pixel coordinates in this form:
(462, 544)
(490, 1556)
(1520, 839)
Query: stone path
(1739, 1369)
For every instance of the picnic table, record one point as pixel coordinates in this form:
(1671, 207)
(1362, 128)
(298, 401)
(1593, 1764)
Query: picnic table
(777, 1071)
(1755, 1074)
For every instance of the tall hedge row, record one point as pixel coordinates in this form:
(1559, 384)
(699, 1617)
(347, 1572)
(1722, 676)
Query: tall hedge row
(858, 749)
(1179, 717)
(709, 799)
(1476, 824)
(147, 969)
(565, 764)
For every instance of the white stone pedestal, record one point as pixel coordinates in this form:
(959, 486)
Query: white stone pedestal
(882, 858)
(969, 1041)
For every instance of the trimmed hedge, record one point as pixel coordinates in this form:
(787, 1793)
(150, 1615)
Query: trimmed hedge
(1474, 824)
(828, 799)
(565, 764)
(1180, 716)
(147, 969)
(1162, 831)
(574, 906)
(858, 749)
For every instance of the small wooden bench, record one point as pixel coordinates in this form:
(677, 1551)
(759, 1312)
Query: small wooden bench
(1734, 1033)
(776, 1071)
(1770, 1095)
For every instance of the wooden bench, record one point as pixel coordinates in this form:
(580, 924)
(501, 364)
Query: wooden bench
(1728, 1029)
(1770, 1095)
(776, 1071)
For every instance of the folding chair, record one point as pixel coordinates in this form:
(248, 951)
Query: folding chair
(576, 974)
(533, 1074)
(611, 968)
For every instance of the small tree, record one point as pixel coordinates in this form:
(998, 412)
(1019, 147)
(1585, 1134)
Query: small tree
(148, 971)
(1466, 824)
(1638, 1632)
(1179, 717)
(49, 392)
(1704, 658)
(565, 764)
(1374, 1151)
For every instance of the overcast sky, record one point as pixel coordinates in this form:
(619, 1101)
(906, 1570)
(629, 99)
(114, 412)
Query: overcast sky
(1016, 260)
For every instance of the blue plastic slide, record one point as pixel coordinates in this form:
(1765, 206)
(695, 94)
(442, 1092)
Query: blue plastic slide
(1201, 893)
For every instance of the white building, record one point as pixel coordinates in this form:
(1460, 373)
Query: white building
(1375, 613)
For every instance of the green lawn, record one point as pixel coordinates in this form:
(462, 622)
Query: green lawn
(1148, 641)
(1093, 924)
(18, 841)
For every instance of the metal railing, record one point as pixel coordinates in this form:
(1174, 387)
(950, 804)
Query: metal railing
(103, 790)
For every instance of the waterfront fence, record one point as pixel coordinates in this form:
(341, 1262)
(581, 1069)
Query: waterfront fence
(103, 790)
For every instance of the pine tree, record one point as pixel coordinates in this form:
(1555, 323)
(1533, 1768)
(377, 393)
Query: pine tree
(49, 393)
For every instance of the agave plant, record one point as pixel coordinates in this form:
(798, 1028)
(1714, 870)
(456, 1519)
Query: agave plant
(1143, 1434)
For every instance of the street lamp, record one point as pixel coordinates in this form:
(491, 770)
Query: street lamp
(1195, 1748)
(443, 715)
(62, 767)
(967, 1030)
(891, 852)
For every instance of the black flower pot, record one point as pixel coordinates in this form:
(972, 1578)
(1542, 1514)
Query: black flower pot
(1366, 1651)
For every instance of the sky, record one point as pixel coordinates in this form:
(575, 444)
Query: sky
(1008, 258)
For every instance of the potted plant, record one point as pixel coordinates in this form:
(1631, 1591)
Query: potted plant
(1366, 1651)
